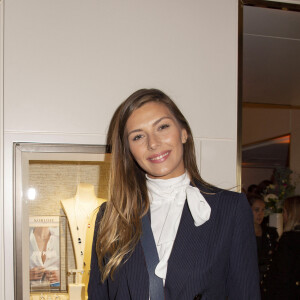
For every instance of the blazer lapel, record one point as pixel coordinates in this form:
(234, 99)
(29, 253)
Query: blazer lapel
(137, 275)
(189, 250)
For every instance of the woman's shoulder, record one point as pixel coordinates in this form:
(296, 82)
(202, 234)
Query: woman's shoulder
(236, 201)
(289, 245)
(206, 188)
(270, 232)
(102, 207)
(291, 233)
(230, 196)
(291, 237)
(227, 197)
(100, 214)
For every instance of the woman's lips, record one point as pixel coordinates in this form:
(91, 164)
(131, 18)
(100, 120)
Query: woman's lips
(160, 157)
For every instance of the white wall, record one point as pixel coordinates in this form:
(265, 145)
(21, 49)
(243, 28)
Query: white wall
(68, 64)
(1, 156)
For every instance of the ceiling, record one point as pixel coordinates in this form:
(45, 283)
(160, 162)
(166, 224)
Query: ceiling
(271, 56)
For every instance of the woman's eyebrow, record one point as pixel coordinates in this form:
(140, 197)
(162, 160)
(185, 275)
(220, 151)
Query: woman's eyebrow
(154, 124)
(160, 119)
(133, 131)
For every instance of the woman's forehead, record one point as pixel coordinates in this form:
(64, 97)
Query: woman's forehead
(259, 202)
(149, 113)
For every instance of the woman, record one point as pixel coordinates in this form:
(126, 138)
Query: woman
(283, 280)
(197, 244)
(266, 237)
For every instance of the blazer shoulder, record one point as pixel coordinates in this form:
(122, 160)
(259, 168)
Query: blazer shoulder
(233, 200)
(211, 189)
(222, 193)
(100, 214)
(207, 188)
(218, 197)
(233, 195)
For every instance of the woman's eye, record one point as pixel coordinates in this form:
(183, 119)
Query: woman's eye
(164, 126)
(137, 137)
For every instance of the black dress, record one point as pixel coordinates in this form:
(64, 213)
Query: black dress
(283, 279)
(266, 245)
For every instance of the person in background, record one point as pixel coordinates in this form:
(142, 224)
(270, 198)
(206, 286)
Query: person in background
(283, 279)
(263, 186)
(252, 189)
(266, 237)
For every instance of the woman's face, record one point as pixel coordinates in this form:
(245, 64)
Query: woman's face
(258, 209)
(156, 141)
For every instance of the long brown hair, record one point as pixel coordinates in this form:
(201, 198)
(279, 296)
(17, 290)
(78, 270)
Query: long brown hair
(292, 207)
(120, 227)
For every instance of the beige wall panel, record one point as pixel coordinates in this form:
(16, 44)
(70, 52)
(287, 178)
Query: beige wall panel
(217, 159)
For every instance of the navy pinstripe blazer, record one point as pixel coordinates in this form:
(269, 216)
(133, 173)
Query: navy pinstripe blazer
(214, 261)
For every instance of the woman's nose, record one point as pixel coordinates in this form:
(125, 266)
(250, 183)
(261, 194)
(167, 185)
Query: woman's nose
(153, 142)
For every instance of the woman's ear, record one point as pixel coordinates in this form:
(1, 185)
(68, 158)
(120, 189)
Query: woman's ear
(184, 136)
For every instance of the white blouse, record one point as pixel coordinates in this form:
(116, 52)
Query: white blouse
(167, 198)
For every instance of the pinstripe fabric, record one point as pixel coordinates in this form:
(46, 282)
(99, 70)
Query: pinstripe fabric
(216, 260)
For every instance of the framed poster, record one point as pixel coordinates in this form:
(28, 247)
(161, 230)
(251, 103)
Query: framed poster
(44, 253)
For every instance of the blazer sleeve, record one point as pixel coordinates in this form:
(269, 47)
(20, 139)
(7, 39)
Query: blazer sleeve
(96, 289)
(243, 276)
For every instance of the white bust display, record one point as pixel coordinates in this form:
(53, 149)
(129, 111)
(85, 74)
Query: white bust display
(79, 210)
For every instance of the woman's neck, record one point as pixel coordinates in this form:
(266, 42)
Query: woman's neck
(168, 180)
(258, 229)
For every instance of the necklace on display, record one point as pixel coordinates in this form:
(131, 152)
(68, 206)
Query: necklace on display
(85, 220)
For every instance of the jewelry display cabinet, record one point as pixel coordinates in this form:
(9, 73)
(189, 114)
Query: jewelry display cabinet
(58, 189)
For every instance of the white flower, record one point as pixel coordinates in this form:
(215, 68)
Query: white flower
(269, 197)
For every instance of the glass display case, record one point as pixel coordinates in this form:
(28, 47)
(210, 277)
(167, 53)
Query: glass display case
(58, 189)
